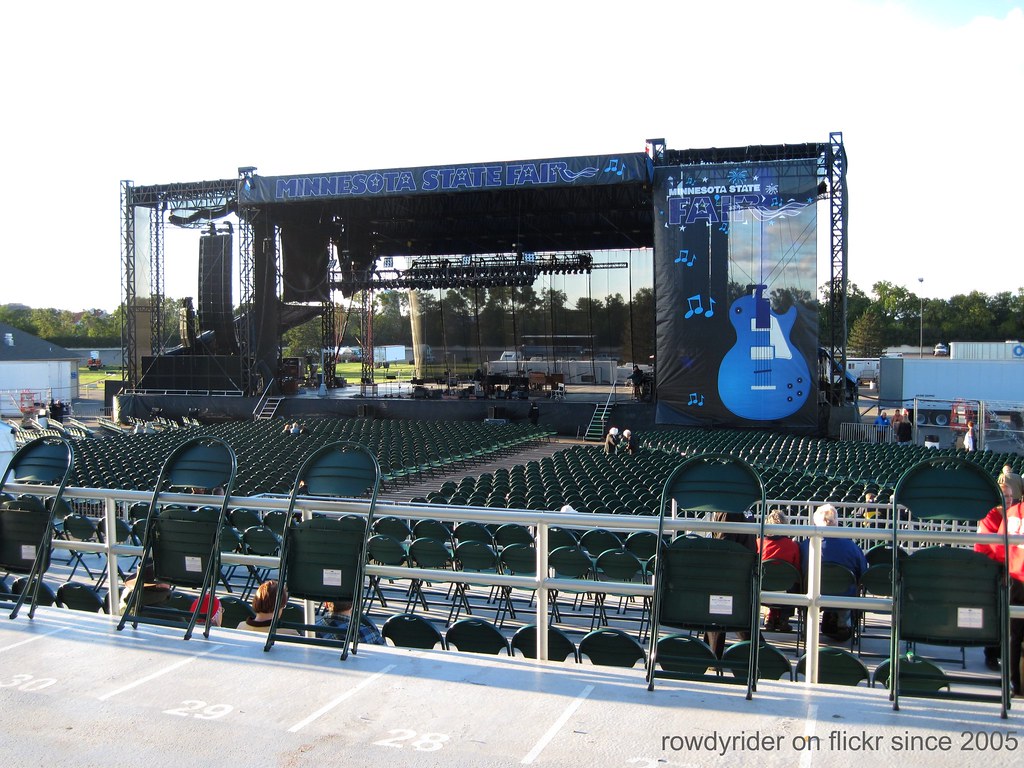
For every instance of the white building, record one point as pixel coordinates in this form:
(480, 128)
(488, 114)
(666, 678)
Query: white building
(34, 370)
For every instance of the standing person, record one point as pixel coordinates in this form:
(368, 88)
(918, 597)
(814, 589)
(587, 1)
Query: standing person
(611, 441)
(905, 429)
(881, 427)
(637, 380)
(969, 437)
(534, 414)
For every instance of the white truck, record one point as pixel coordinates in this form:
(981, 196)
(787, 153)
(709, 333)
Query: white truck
(986, 350)
(938, 383)
(397, 353)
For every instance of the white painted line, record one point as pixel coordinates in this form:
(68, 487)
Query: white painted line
(162, 672)
(32, 639)
(556, 726)
(335, 702)
(809, 725)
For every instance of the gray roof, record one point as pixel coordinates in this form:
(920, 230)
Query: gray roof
(29, 347)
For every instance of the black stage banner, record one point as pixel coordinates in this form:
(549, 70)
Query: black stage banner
(472, 177)
(736, 276)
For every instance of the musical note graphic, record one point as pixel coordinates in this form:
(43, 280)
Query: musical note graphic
(696, 399)
(696, 307)
(613, 167)
(724, 228)
(684, 257)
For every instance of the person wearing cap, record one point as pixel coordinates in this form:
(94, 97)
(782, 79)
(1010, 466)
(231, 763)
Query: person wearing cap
(154, 593)
(205, 606)
(263, 606)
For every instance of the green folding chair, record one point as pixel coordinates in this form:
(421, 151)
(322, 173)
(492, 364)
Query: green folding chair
(26, 526)
(182, 544)
(949, 596)
(323, 559)
(703, 583)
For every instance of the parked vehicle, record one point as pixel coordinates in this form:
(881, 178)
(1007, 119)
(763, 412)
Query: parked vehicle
(938, 384)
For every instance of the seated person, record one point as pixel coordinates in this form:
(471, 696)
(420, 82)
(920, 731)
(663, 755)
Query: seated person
(154, 593)
(993, 523)
(844, 552)
(263, 605)
(716, 639)
(217, 608)
(779, 548)
(337, 615)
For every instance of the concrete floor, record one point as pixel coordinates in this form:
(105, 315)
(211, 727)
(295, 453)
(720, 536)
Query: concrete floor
(73, 691)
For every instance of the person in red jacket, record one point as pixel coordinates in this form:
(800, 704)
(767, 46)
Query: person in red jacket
(1014, 525)
(992, 523)
(779, 548)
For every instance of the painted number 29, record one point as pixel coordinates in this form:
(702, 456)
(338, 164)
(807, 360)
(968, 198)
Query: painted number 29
(424, 742)
(200, 709)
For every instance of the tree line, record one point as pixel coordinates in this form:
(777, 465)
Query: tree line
(466, 319)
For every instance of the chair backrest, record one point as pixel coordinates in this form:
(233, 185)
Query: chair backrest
(619, 565)
(772, 664)
(686, 656)
(342, 468)
(79, 597)
(475, 555)
(407, 630)
(430, 553)
(236, 610)
(25, 524)
(570, 562)
(779, 576)
(611, 647)
(520, 559)
(837, 667)
(560, 646)
(182, 543)
(476, 636)
(947, 488)
(707, 584)
(950, 596)
(712, 483)
(324, 559)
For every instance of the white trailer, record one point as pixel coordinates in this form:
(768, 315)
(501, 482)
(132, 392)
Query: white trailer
(938, 382)
(986, 350)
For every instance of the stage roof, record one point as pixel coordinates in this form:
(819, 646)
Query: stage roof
(595, 202)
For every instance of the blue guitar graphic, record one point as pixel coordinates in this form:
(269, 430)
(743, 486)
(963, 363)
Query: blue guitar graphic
(763, 377)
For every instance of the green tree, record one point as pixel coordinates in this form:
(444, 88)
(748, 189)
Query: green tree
(866, 335)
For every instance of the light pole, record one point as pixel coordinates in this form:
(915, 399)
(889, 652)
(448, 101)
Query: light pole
(921, 315)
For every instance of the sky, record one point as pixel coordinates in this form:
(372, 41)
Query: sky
(927, 95)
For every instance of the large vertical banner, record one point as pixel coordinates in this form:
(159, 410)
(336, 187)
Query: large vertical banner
(735, 277)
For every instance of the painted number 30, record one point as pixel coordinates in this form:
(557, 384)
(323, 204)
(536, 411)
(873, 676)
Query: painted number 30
(27, 683)
(424, 742)
(200, 709)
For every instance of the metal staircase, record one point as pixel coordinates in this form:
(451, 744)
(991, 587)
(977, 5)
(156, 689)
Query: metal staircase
(595, 430)
(268, 409)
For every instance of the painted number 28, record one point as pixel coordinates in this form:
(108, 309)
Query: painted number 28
(424, 742)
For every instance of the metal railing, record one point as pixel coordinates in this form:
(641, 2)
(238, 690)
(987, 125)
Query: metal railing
(812, 600)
